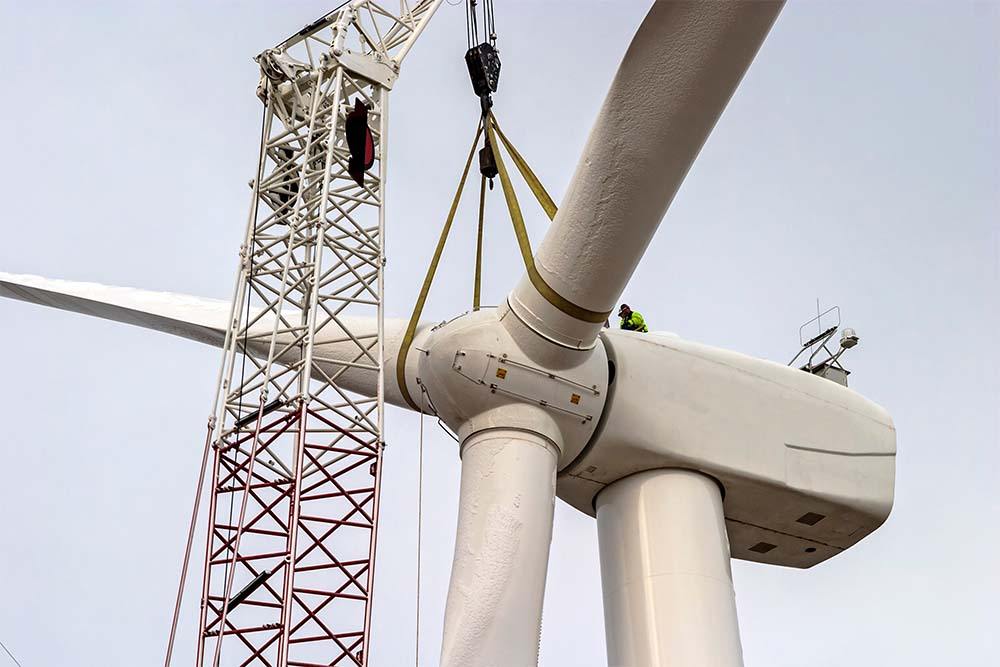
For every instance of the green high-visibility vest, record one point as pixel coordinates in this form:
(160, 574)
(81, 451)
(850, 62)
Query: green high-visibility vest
(634, 323)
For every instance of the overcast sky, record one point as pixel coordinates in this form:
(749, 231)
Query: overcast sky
(857, 163)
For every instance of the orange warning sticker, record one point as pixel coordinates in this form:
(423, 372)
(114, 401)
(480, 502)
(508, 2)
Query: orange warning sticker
(575, 399)
(501, 373)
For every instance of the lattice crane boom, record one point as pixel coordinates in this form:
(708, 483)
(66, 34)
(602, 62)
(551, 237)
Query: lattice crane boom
(296, 456)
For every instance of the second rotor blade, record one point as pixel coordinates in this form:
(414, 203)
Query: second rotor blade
(676, 78)
(494, 609)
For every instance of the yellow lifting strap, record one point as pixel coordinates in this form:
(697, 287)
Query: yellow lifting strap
(529, 176)
(552, 296)
(418, 307)
(479, 245)
(524, 244)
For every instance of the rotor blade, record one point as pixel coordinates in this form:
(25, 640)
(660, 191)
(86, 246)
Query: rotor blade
(205, 321)
(195, 318)
(676, 78)
(494, 609)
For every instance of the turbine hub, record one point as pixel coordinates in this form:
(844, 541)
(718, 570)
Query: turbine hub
(480, 371)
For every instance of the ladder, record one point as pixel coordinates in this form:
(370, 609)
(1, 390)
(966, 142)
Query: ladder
(296, 457)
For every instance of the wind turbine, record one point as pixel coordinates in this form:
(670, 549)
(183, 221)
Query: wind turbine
(687, 455)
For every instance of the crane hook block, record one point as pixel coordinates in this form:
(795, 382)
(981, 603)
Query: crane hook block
(483, 62)
(359, 141)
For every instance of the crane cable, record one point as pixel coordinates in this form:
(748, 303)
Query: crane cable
(472, 24)
(7, 651)
(420, 522)
(187, 550)
(208, 448)
(493, 131)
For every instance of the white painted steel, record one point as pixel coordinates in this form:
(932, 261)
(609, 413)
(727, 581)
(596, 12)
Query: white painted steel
(665, 571)
(494, 608)
(672, 85)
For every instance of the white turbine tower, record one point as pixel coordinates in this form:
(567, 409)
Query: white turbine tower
(687, 455)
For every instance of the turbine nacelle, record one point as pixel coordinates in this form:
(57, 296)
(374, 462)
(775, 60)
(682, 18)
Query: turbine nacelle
(807, 466)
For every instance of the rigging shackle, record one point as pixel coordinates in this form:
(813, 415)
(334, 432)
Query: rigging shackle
(488, 162)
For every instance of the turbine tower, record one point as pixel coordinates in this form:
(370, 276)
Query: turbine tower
(686, 455)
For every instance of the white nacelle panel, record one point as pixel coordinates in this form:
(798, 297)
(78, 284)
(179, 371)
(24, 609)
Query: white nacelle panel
(807, 466)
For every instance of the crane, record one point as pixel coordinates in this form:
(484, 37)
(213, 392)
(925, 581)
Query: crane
(295, 458)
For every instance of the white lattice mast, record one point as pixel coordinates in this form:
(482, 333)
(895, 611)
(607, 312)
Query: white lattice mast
(295, 486)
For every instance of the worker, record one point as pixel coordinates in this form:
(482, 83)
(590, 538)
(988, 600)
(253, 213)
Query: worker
(631, 320)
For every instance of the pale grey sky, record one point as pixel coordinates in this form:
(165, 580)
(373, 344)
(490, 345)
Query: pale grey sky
(857, 163)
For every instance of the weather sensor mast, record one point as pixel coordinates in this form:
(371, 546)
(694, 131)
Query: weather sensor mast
(295, 456)
(823, 361)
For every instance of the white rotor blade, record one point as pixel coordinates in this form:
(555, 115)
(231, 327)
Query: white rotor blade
(676, 78)
(204, 320)
(494, 609)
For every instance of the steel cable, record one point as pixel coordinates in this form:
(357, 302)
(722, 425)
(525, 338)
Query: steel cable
(420, 521)
(7, 651)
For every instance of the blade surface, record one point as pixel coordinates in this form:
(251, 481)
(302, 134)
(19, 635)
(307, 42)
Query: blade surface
(199, 319)
(494, 609)
(204, 320)
(677, 76)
